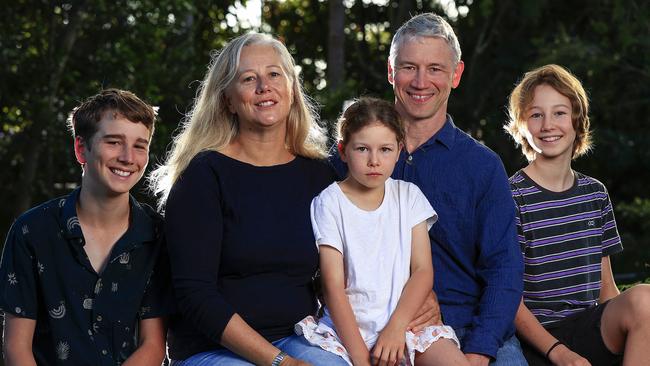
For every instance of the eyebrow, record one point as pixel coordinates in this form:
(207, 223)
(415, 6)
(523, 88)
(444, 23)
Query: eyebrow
(123, 137)
(267, 67)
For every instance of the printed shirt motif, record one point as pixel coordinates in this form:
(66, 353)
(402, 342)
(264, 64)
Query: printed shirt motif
(83, 317)
(563, 237)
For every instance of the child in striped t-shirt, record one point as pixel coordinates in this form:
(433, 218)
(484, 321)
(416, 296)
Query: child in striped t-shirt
(571, 312)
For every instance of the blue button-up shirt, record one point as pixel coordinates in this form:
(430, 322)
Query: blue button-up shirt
(476, 258)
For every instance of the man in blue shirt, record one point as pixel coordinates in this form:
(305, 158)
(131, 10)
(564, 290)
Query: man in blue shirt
(476, 257)
(84, 278)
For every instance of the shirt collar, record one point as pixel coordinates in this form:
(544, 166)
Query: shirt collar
(140, 226)
(445, 136)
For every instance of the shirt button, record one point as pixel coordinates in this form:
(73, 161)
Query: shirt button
(104, 352)
(410, 158)
(99, 318)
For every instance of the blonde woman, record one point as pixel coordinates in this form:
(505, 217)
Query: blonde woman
(236, 188)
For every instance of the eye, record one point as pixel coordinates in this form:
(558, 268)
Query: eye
(275, 74)
(435, 69)
(113, 142)
(536, 115)
(361, 148)
(248, 78)
(560, 113)
(141, 147)
(408, 68)
(386, 149)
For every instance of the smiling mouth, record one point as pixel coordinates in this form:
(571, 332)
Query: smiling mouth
(121, 173)
(419, 97)
(266, 103)
(550, 138)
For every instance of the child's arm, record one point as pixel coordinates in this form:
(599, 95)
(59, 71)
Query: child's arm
(529, 328)
(333, 277)
(151, 343)
(608, 289)
(18, 337)
(391, 341)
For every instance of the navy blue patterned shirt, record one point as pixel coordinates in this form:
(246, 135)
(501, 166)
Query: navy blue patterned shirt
(82, 317)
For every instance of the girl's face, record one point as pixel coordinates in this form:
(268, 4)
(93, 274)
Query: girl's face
(371, 154)
(550, 125)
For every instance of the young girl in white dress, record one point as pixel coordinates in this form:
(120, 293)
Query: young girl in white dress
(375, 256)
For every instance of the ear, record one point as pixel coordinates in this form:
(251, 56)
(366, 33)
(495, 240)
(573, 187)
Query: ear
(391, 79)
(455, 79)
(80, 150)
(341, 148)
(226, 100)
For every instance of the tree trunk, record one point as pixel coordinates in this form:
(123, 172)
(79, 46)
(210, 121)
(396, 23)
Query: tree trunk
(336, 45)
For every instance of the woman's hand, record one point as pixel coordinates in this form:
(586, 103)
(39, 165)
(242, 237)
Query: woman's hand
(389, 349)
(290, 361)
(563, 356)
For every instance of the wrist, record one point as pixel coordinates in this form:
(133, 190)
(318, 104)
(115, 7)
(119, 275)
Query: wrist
(551, 348)
(279, 358)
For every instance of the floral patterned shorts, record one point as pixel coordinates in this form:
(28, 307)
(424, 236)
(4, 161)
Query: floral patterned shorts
(319, 334)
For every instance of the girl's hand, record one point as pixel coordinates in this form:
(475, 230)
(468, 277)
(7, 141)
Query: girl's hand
(389, 349)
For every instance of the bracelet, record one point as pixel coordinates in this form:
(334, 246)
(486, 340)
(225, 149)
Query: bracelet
(557, 343)
(278, 359)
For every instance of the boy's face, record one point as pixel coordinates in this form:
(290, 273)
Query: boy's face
(371, 154)
(116, 157)
(550, 124)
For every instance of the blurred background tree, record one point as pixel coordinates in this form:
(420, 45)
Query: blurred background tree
(56, 53)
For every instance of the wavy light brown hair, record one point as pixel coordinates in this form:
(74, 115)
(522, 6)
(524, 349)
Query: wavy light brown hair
(564, 83)
(366, 111)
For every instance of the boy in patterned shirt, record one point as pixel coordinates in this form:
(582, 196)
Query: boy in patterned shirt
(572, 312)
(84, 279)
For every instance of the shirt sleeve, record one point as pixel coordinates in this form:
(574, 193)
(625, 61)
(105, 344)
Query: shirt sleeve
(324, 224)
(194, 232)
(499, 266)
(158, 299)
(18, 274)
(420, 207)
(611, 239)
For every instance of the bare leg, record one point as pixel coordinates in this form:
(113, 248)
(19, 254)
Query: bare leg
(442, 352)
(625, 325)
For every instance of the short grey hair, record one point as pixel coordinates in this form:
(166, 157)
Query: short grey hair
(425, 25)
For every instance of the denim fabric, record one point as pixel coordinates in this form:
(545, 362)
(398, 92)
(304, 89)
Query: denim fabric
(295, 346)
(510, 353)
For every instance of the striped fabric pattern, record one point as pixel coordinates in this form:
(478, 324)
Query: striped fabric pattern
(563, 237)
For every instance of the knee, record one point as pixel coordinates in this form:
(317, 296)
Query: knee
(638, 302)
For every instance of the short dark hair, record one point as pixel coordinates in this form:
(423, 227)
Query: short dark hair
(84, 118)
(365, 111)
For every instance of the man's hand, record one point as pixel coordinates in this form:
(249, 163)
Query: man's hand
(476, 359)
(428, 314)
(389, 349)
(563, 356)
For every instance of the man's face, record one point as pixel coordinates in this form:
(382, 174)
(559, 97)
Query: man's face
(422, 77)
(117, 156)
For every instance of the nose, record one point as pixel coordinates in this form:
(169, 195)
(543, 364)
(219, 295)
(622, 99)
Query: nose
(546, 123)
(126, 155)
(419, 80)
(373, 159)
(262, 85)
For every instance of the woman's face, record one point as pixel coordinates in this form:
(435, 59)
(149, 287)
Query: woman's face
(261, 94)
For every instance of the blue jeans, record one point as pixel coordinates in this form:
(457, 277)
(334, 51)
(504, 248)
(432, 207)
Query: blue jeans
(510, 354)
(295, 346)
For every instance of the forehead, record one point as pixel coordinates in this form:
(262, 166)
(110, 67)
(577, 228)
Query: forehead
(374, 131)
(259, 55)
(545, 94)
(114, 123)
(424, 50)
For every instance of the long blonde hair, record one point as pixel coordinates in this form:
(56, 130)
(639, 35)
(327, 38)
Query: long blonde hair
(211, 126)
